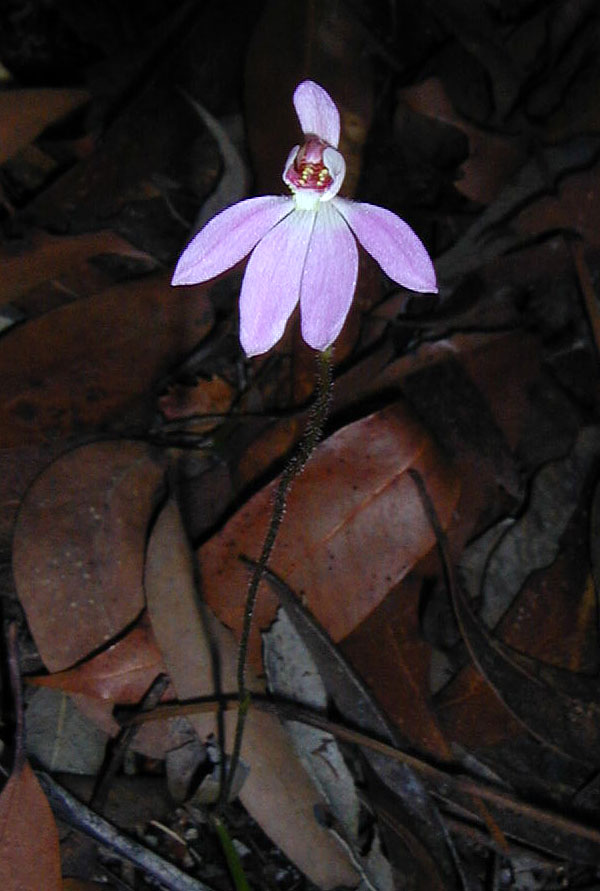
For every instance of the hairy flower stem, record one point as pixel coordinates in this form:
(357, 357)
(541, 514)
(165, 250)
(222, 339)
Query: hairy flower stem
(312, 434)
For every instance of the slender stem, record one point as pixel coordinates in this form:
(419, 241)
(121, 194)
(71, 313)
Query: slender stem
(312, 434)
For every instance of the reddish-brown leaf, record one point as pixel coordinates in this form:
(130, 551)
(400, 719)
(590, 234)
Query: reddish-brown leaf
(389, 652)
(79, 547)
(120, 674)
(29, 852)
(353, 528)
(93, 362)
(43, 257)
(25, 113)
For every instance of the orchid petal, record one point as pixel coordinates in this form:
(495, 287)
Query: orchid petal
(329, 278)
(317, 112)
(229, 237)
(336, 166)
(271, 285)
(392, 243)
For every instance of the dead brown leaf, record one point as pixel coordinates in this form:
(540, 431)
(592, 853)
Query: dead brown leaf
(79, 547)
(121, 674)
(389, 652)
(25, 113)
(43, 257)
(353, 528)
(91, 362)
(29, 852)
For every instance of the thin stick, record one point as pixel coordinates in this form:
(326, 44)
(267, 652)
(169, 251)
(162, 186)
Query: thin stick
(312, 435)
(121, 744)
(448, 786)
(81, 817)
(17, 692)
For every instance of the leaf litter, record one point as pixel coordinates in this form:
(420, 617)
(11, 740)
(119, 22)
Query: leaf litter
(138, 448)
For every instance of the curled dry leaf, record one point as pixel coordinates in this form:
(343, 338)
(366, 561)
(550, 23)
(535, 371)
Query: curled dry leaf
(278, 792)
(29, 852)
(354, 527)
(79, 547)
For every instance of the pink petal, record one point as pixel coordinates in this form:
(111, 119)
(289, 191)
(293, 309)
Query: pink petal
(228, 237)
(329, 278)
(317, 112)
(271, 285)
(392, 242)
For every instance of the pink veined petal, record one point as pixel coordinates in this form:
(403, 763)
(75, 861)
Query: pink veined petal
(228, 237)
(317, 112)
(329, 278)
(391, 242)
(271, 285)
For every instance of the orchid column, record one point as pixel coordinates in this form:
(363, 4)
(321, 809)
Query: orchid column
(302, 250)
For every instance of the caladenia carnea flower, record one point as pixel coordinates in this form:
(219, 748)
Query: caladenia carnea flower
(304, 245)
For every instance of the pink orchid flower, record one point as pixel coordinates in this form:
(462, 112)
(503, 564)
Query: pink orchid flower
(304, 245)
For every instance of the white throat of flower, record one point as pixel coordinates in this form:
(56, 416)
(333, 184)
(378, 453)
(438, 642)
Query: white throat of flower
(314, 172)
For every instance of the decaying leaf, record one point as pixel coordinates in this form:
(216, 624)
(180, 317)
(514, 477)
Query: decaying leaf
(120, 674)
(93, 362)
(25, 113)
(29, 853)
(423, 831)
(79, 547)
(278, 792)
(354, 527)
(60, 737)
(43, 257)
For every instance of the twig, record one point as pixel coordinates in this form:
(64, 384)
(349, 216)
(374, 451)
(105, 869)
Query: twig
(17, 691)
(312, 435)
(81, 817)
(548, 829)
(588, 291)
(119, 748)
